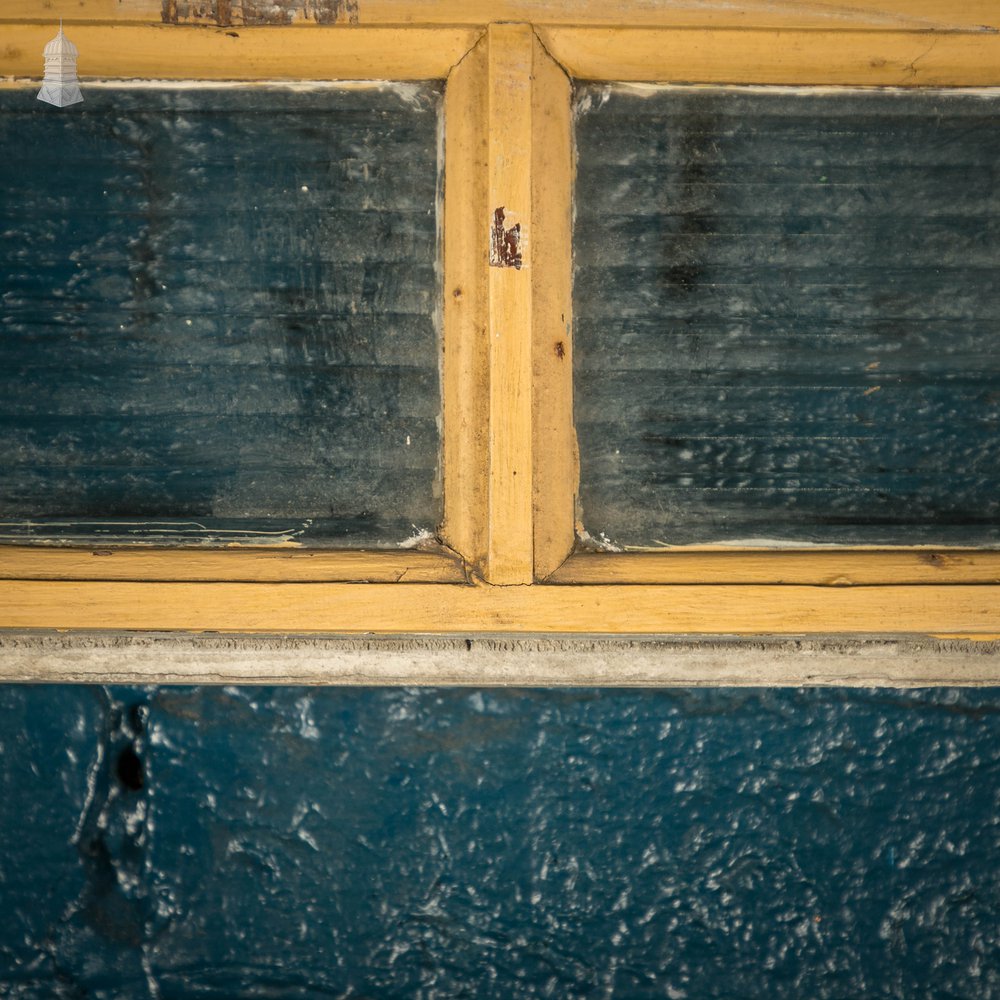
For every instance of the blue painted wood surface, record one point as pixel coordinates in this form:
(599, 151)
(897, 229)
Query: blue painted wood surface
(787, 316)
(260, 842)
(218, 314)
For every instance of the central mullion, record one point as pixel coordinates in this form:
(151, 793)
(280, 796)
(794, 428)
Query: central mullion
(509, 320)
(488, 266)
(510, 465)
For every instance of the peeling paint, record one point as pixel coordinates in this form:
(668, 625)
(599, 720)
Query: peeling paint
(505, 244)
(420, 538)
(225, 13)
(588, 543)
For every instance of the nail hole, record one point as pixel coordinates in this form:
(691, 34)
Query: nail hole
(130, 770)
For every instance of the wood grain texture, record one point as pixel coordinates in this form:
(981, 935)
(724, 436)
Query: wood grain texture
(488, 307)
(353, 608)
(242, 565)
(169, 53)
(828, 569)
(465, 369)
(915, 14)
(793, 56)
(509, 180)
(556, 458)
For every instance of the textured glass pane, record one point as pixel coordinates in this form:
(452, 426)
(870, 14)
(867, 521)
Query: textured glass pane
(788, 315)
(219, 314)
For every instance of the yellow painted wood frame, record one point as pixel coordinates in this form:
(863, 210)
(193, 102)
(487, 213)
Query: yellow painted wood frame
(913, 15)
(166, 52)
(482, 608)
(509, 454)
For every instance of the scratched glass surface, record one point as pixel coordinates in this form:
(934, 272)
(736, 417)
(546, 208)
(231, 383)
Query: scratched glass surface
(787, 318)
(218, 315)
(230, 843)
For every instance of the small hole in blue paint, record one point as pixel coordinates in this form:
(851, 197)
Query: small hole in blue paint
(130, 769)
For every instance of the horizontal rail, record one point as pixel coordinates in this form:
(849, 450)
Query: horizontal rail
(167, 53)
(442, 608)
(839, 568)
(233, 565)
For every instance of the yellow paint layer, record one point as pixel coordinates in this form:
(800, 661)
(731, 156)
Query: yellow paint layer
(960, 14)
(509, 557)
(754, 56)
(389, 608)
(465, 363)
(556, 458)
(171, 53)
(246, 565)
(828, 569)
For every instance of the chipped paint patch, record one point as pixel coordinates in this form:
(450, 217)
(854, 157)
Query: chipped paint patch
(225, 13)
(505, 244)
(421, 538)
(599, 544)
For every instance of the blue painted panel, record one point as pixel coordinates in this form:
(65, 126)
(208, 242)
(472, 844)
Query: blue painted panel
(787, 318)
(218, 314)
(260, 842)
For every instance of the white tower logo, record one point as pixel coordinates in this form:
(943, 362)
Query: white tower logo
(60, 86)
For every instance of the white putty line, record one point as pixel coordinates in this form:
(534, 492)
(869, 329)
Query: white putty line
(407, 91)
(583, 102)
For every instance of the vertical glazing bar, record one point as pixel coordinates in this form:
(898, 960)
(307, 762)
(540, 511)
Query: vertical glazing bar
(556, 458)
(465, 371)
(488, 307)
(510, 232)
